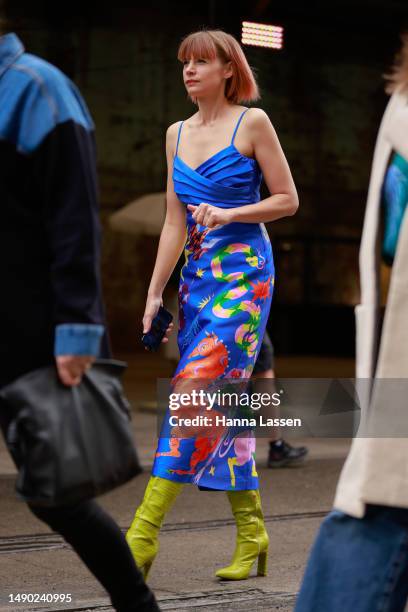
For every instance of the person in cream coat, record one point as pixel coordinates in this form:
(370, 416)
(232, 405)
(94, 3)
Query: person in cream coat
(359, 560)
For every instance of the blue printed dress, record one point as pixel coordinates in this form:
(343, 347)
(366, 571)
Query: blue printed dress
(225, 294)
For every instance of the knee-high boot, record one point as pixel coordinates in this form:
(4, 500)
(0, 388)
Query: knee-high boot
(252, 537)
(142, 536)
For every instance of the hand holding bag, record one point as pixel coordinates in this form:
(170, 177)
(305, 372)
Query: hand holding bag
(71, 443)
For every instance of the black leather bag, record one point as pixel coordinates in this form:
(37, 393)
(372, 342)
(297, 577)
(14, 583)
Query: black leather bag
(70, 443)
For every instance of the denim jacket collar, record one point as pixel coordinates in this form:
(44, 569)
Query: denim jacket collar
(11, 48)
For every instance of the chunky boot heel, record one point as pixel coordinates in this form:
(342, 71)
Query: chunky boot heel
(145, 569)
(252, 537)
(142, 535)
(263, 563)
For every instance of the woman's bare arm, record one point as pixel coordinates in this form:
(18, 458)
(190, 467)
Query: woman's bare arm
(173, 234)
(283, 200)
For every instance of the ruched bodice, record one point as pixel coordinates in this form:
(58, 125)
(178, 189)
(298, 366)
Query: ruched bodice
(226, 179)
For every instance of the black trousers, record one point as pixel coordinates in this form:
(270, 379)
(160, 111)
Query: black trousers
(99, 542)
(265, 359)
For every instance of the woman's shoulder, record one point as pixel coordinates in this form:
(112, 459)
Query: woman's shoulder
(257, 116)
(174, 128)
(258, 123)
(172, 135)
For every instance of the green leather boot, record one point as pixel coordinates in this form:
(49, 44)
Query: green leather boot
(142, 536)
(252, 537)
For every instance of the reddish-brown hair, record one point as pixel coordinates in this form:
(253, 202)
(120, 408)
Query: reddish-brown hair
(398, 77)
(210, 44)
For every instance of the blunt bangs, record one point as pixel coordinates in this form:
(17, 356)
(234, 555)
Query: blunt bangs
(197, 45)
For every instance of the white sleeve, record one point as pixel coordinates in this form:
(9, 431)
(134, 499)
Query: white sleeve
(397, 131)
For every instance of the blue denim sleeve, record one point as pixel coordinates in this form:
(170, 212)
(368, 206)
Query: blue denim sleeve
(78, 339)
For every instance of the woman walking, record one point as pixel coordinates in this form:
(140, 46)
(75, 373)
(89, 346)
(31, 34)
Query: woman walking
(216, 160)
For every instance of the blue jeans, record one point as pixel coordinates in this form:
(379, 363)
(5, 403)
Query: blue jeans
(358, 565)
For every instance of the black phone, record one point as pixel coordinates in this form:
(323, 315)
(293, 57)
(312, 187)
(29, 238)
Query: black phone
(152, 339)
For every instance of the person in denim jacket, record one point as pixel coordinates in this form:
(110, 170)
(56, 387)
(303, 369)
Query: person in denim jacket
(51, 304)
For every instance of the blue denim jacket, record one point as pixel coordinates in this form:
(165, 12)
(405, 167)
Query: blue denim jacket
(55, 130)
(78, 339)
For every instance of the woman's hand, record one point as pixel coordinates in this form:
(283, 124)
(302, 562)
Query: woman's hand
(153, 304)
(211, 216)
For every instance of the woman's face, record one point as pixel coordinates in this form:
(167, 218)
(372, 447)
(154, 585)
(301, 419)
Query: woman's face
(203, 77)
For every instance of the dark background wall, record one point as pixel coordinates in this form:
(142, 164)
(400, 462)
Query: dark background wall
(324, 94)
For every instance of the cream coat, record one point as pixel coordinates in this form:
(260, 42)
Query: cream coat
(376, 469)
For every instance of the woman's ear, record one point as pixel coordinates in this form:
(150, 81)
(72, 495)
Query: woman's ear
(228, 72)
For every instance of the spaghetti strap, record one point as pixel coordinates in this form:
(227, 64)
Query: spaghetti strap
(237, 126)
(178, 137)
